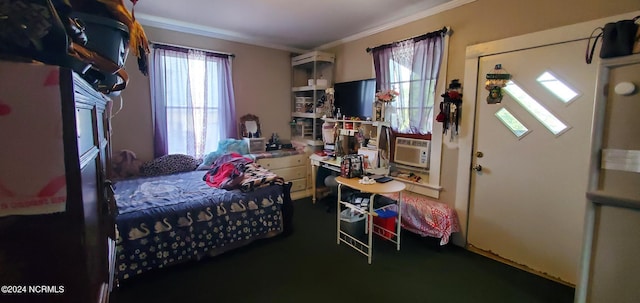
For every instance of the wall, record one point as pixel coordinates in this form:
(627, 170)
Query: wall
(473, 23)
(262, 75)
(262, 82)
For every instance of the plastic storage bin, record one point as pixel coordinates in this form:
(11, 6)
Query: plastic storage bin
(109, 38)
(386, 220)
(256, 145)
(352, 222)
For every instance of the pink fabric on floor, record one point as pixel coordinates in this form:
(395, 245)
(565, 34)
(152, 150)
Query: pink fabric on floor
(426, 217)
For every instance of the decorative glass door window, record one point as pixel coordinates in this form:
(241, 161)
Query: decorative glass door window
(550, 121)
(512, 123)
(557, 87)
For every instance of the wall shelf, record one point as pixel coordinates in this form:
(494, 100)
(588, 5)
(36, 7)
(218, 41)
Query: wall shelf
(309, 88)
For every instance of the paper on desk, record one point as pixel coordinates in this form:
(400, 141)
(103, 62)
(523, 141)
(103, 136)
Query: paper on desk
(318, 157)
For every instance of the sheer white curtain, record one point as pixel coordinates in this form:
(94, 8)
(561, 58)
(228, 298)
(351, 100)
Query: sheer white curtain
(193, 103)
(411, 67)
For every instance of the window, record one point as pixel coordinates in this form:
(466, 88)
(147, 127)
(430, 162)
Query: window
(412, 67)
(193, 102)
(404, 109)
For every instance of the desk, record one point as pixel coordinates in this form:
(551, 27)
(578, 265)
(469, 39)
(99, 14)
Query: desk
(374, 189)
(331, 164)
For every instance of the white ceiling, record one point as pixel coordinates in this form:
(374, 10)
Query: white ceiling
(286, 24)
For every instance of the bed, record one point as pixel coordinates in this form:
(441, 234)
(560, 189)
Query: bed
(170, 219)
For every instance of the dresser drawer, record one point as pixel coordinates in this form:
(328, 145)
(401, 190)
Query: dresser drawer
(298, 185)
(291, 173)
(283, 162)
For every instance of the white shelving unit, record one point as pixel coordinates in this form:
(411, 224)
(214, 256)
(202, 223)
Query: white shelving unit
(371, 130)
(351, 127)
(312, 74)
(612, 220)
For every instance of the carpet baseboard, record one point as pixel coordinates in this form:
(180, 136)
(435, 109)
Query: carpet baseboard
(495, 257)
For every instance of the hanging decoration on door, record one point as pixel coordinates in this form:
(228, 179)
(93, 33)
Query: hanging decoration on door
(451, 109)
(496, 80)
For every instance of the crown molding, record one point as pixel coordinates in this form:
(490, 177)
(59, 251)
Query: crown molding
(191, 28)
(415, 17)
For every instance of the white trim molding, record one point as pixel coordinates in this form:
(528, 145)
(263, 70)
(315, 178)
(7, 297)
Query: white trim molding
(415, 17)
(206, 31)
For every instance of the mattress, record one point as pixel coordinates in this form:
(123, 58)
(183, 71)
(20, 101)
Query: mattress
(165, 220)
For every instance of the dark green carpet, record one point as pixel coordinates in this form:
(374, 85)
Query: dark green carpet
(308, 266)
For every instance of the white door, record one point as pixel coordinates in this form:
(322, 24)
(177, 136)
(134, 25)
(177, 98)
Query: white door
(527, 201)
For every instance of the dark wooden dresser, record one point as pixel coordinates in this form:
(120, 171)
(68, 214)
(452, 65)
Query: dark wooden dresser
(57, 230)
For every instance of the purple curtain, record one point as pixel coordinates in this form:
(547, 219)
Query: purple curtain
(410, 67)
(193, 104)
(227, 104)
(169, 79)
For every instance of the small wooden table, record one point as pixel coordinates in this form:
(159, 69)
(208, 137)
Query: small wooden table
(374, 189)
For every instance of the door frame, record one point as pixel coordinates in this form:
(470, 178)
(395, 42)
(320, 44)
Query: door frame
(573, 32)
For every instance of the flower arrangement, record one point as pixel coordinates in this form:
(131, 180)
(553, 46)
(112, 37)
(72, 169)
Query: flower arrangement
(387, 95)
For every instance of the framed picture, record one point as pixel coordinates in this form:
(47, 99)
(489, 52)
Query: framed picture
(378, 111)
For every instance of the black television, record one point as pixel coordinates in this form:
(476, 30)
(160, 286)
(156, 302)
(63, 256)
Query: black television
(355, 98)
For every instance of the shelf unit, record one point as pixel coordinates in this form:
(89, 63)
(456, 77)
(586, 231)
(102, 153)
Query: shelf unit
(371, 130)
(351, 127)
(312, 74)
(612, 217)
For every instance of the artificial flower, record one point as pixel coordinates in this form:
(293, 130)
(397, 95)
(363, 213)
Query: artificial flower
(387, 95)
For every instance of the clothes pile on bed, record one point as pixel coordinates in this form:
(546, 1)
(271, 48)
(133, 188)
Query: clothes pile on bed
(236, 171)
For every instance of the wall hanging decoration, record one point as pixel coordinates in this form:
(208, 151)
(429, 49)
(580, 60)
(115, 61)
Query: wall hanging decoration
(496, 80)
(451, 109)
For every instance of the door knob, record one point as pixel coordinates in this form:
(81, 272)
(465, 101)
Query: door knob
(477, 167)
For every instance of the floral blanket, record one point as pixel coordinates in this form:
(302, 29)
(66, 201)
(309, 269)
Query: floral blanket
(257, 176)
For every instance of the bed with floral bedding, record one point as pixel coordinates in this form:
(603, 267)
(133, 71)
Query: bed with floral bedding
(173, 218)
